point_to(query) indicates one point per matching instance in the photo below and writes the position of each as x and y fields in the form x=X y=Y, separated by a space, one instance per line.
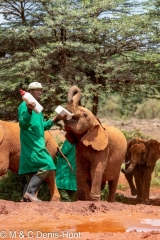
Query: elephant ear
x=96 y=137
x=1 y=133
x=153 y=152
x=71 y=138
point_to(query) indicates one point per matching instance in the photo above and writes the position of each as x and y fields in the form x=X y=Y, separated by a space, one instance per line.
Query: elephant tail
x=59 y=150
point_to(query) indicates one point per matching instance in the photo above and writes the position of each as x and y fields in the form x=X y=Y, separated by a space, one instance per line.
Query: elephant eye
x=85 y=114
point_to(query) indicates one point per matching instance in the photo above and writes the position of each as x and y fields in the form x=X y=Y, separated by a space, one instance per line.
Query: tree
x=101 y=46
x=22 y=12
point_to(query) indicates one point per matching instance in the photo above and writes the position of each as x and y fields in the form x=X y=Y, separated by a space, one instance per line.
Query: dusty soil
x=81 y=220
x=85 y=220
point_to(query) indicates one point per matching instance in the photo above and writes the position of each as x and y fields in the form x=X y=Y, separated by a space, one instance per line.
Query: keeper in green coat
x=66 y=178
x=35 y=160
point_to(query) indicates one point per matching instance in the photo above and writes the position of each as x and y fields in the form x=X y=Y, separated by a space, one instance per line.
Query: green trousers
x=67 y=195
x=41 y=174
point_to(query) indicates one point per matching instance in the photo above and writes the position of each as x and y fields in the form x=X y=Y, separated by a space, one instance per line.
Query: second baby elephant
x=141 y=159
x=10 y=152
x=100 y=150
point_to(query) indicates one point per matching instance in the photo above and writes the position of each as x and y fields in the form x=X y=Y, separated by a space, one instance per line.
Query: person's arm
x=48 y=124
x=24 y=116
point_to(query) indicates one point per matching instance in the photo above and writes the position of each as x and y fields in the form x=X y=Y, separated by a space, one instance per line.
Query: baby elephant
x=140 y=161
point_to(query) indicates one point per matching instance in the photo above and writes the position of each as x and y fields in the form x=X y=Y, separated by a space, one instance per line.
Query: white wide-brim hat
x=34 y=85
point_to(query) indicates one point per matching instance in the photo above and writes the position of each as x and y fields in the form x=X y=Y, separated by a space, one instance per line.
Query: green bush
x=12 y=185
x=133 y=134
x=111 y=108
x=157 y=169
x=155 y=182
x=104 y=193
x=43 y=192
x=148 y=110
x=122 y=187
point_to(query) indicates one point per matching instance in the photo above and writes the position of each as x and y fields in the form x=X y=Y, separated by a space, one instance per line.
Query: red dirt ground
x=82 y=219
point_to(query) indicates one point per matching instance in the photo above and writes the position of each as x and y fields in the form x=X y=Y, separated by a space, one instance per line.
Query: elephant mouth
x=67 y=128
x=73 y=120
x=69 y=125
x=68 y=122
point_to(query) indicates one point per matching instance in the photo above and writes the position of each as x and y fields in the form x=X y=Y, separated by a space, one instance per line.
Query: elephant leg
x=146 y=184
x=4 y=161
x=96 y=176
x=83 y=183
x=112 y=184
x=50 y=180
x=129 y=178
x=83 y=194
x=88 y=188
x=14 y=161
x=138 y=175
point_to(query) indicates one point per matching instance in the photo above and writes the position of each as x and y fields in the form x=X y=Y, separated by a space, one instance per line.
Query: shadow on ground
x=133 y=201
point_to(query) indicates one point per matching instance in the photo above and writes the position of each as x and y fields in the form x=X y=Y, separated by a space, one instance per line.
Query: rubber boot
x=32 y=188
x=24 y=191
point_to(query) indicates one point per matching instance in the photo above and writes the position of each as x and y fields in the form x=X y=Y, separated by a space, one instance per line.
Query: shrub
x=133 y=134
x=157 y=169
x=104 y=193
x=111 y=108
x=148 y=110
x=155 y=182
x=12 y=185
x=122 y=187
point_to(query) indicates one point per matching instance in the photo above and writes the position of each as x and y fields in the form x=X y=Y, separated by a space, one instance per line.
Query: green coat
x=33 y=155
x=65 y=178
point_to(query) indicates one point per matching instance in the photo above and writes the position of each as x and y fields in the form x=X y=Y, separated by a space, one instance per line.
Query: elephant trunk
x=74 y=96
x=130 y=168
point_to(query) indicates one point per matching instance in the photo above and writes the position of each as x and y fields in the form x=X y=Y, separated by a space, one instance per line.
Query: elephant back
x=117 y=140
x=51 y=144
x=1 y=133
x=117 y=147
x=8 y=131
